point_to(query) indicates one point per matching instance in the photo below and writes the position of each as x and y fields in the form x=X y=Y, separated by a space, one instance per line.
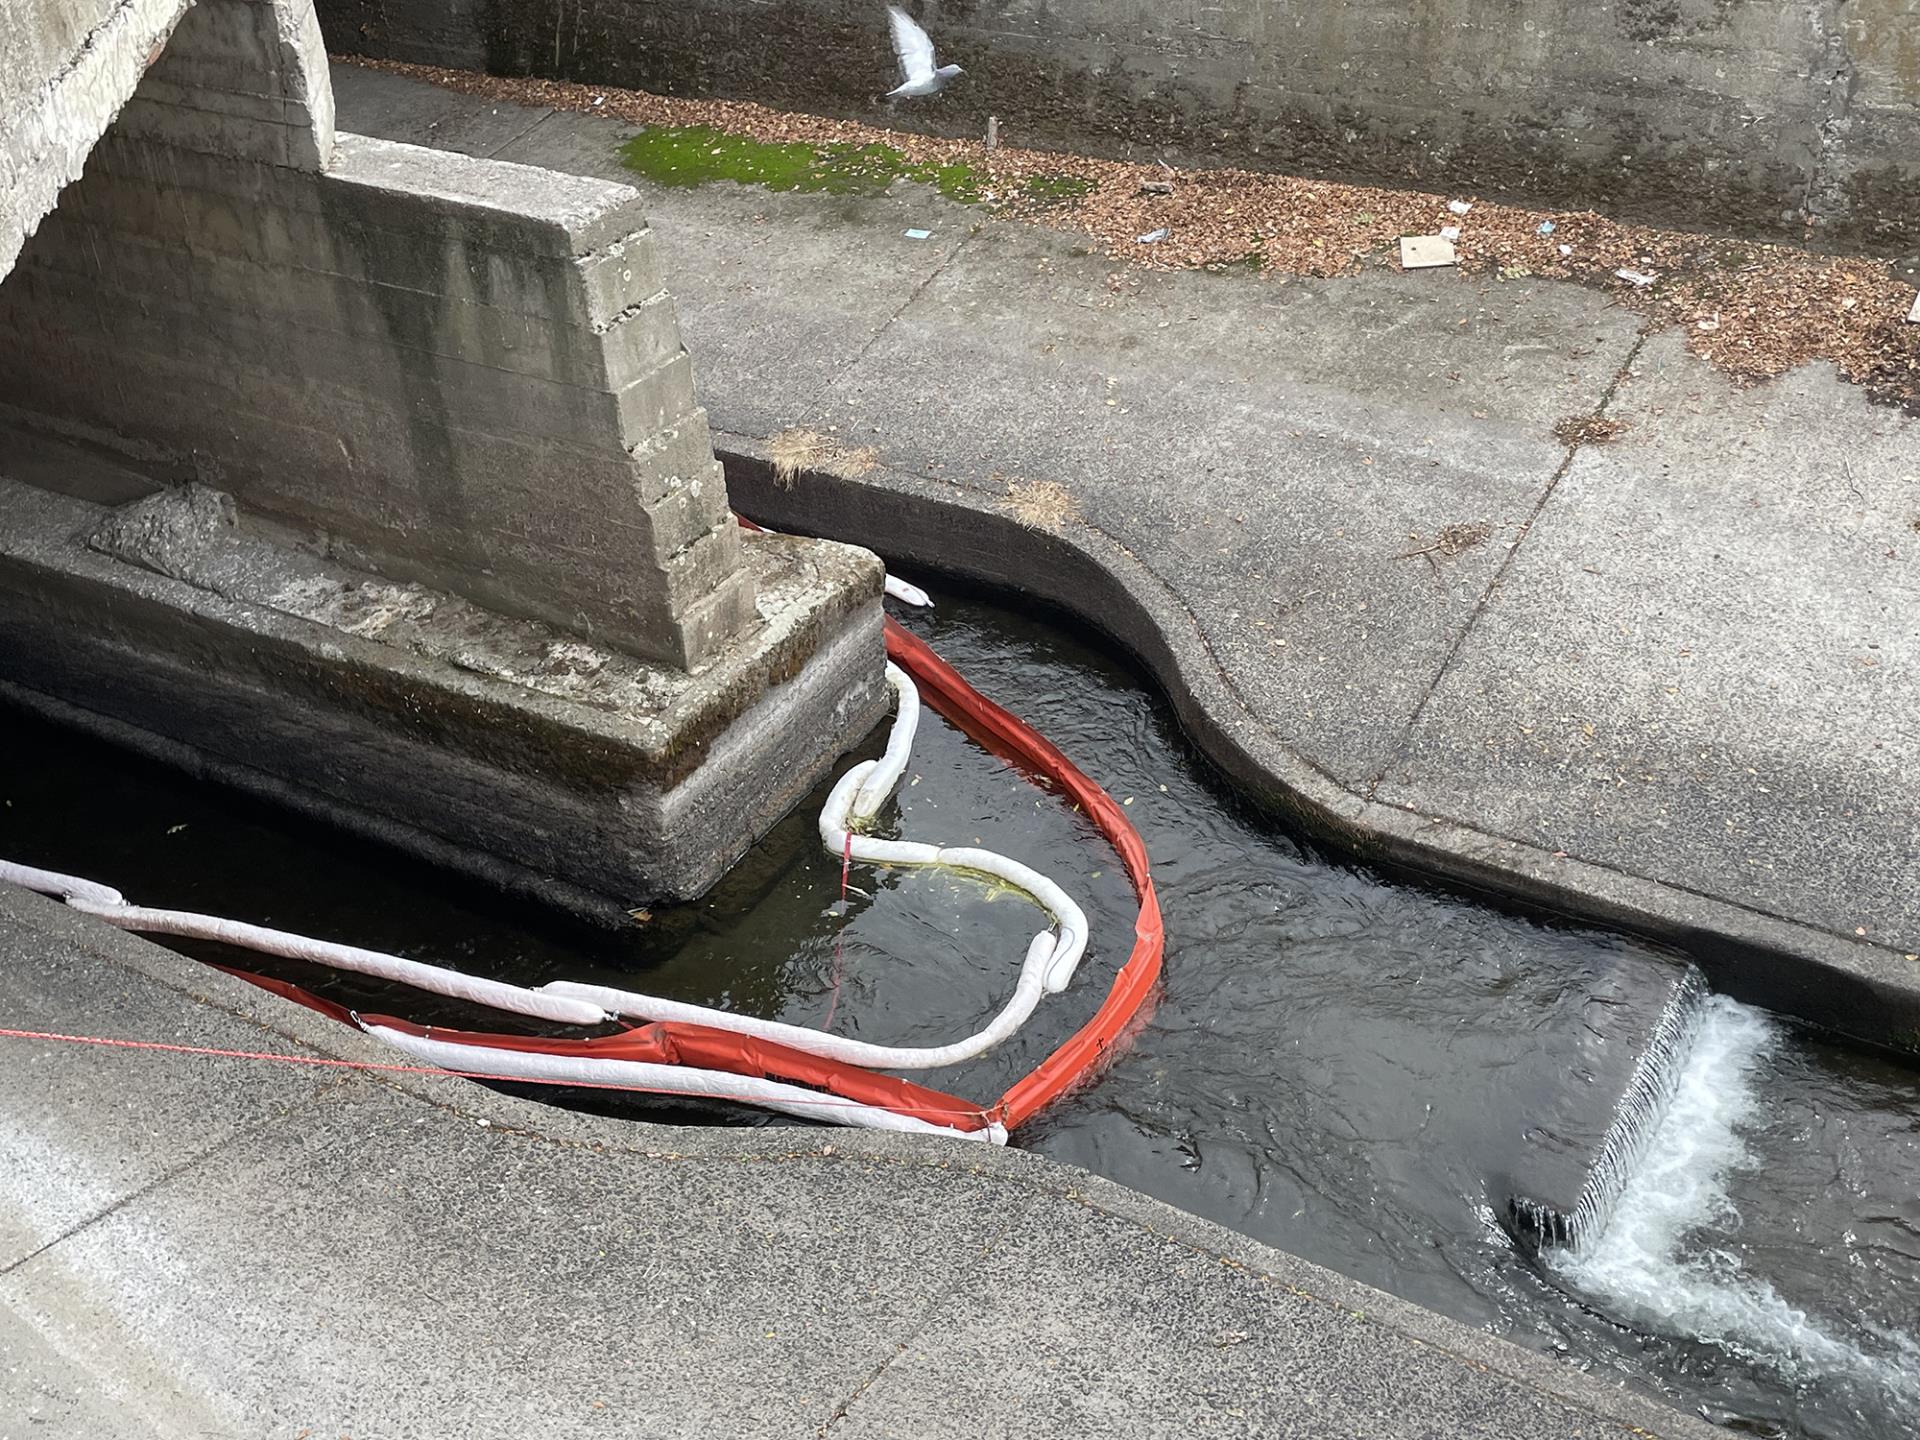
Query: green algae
x=1056 y=189
x=689 y=155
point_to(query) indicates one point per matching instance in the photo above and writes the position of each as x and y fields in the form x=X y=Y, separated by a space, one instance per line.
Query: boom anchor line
x=671 y=1047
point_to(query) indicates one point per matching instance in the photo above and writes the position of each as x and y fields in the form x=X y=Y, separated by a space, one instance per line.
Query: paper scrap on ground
x=1636 y=277
x=919 y=234
x=1154 y=237
x=1459 y=207
x=1913 y=315
x=1449 y=232
x=1423 y=252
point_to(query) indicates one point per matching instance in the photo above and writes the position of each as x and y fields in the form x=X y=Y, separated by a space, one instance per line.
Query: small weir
x=1569 y=1190
x=1389 y=1081
x=1667 y=1258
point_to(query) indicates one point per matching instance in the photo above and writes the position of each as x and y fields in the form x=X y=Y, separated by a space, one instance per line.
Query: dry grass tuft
x=796 y=449
x=1039 y=504
x=1588 y=430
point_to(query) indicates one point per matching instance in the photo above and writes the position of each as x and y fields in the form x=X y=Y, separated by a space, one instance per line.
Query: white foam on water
x=1636 y=1266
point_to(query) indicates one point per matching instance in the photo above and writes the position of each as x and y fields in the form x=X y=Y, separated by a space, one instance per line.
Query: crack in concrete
x=138 y=1193
x=919 y=1327
x=1398 y=752
x=814 y=402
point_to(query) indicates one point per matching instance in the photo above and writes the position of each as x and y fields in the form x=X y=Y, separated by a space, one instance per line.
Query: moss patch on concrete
x=688 y=155
x=1056 y=189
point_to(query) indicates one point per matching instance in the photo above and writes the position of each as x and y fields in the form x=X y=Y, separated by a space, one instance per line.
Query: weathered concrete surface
x=66 y=68
x=447 y=370
x=1247 y=461
x=1766 y=116
x=490 y=602
x=504 y=748
x=203 y=1246
x=1705 y=660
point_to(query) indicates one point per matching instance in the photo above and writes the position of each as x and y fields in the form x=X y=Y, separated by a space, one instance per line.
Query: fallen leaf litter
x=1754 y=309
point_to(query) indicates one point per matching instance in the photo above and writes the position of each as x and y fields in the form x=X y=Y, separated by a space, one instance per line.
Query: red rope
x=1080 y=1057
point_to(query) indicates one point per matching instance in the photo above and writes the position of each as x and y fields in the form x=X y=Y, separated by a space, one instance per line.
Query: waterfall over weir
x=1549 y=1220
x=1660 y=1256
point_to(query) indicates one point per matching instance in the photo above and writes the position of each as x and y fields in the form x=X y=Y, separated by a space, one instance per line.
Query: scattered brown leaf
x=1754 y=309
x=1453 y=540
x=1588 y=430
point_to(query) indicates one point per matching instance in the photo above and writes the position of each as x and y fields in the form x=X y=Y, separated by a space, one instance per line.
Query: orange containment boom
x=681 y=1056
x=1088 y=1049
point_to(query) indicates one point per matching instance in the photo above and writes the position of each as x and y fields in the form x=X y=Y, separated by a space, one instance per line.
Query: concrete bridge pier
x=371 y=478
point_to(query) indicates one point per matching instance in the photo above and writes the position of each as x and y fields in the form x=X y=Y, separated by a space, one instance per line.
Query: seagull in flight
x=915 y=49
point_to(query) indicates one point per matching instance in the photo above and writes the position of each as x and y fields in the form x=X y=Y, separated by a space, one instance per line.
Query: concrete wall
x=1755 y=115
x=442 y=369
x=66 y=68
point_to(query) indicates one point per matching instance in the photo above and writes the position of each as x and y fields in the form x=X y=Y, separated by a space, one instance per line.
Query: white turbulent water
x=1662 y=1262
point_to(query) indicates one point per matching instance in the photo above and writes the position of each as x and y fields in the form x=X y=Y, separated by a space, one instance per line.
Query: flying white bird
x=915 y=49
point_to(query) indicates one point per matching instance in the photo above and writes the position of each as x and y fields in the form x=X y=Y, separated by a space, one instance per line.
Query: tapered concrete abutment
x=371 y=477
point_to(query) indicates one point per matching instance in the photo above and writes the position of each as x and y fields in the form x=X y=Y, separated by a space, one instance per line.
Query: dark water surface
x=1339 y=1065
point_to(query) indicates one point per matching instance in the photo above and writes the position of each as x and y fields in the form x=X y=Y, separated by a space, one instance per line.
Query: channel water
x=1340 y=1065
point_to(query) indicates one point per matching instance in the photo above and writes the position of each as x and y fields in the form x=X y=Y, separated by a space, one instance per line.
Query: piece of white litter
x=1566 y=249
x=1459 y=207
x=1423 y=252
x=1913 y=315
x=1546 y=227
x=919 y=234
x=1154 y=237
x=1710 y=324
x=1449 y=232
x=1636 y=277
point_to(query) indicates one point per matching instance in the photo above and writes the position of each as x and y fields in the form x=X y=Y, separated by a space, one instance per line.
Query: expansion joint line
x=192 y=1162
x=1398 y=752
x=814 y=401
x=519 y=135
x=905 y=1343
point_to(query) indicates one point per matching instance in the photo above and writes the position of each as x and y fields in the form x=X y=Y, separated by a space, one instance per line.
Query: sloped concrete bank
x=1797 y=970
x=197 y=1245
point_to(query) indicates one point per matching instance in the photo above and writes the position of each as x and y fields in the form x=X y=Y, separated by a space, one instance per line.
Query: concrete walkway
x=1676 y=687
x=209 y=1247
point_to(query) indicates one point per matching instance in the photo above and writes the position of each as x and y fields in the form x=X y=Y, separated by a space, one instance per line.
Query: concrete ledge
x=501 y=747
x=456 y=371
x=543 y=211
x=1752 y=118
x=1860 y=990
x=777 y=1282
